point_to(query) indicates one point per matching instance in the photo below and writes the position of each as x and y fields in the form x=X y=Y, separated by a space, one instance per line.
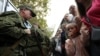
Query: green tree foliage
x=40 y=7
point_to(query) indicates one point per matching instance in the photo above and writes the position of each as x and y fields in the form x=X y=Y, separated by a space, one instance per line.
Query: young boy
x=76 y=42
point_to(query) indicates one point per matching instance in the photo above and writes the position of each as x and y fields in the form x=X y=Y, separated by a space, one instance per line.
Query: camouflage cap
x=28 y=8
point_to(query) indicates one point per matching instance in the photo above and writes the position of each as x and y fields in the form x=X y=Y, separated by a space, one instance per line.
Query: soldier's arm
x=37 y=33
x=15 y=32
x=9 y=27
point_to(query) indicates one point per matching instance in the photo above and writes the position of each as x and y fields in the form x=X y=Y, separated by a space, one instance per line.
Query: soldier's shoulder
x=7 y=13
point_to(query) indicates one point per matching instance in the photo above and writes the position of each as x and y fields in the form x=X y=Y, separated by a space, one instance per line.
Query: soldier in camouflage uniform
x=38 y=43
x=18 y=37
x=13 y=31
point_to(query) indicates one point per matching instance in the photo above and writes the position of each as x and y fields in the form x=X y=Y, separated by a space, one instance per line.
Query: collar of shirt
x=27 y=24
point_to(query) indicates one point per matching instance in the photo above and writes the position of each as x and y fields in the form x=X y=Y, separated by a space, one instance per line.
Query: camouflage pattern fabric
x=11 y=30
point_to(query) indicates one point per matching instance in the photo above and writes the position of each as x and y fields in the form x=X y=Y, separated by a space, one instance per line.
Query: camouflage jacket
x=33 y=44
x=11 y=26
x=11 y=30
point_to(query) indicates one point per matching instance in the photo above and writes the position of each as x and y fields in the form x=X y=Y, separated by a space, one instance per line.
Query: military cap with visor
x=28 y=8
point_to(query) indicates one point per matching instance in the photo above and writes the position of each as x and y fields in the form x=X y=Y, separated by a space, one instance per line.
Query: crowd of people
x=76 y=29
x=64 y=33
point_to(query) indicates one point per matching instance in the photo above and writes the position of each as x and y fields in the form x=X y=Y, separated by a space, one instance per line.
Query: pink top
x=93 y=13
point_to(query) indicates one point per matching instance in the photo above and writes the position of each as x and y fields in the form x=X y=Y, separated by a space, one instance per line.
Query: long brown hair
x=81 y=9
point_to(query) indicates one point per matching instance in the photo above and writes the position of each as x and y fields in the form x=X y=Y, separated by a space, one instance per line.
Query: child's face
x=72 y=30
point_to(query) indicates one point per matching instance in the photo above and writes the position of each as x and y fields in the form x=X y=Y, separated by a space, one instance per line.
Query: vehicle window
x=1 y=5
x=6 y=6
x=10 y=7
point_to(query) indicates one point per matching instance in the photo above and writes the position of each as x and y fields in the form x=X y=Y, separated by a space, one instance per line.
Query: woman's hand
x=69 y=47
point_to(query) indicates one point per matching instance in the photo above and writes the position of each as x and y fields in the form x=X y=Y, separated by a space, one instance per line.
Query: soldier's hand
x=28 y=31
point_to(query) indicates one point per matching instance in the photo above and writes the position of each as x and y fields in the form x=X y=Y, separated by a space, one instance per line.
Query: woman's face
x=72 y=30
x=72 y=9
